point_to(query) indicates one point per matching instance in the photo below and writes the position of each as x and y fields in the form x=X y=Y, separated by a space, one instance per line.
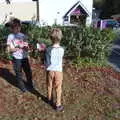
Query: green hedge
x=87 y=42
x=78 y=41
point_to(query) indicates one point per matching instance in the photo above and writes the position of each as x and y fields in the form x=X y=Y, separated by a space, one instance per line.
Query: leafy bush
x=87 y=42
x=3 y=36
x=79 y=42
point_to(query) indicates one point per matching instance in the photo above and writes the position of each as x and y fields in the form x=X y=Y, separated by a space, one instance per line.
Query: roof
x=75 y=6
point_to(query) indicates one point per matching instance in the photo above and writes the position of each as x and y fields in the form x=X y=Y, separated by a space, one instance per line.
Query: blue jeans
x=19 y=65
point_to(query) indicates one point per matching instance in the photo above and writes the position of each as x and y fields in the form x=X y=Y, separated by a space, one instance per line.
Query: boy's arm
x=47 y=61
x=9 y=49
x=45 y=58
x=10 y=45
x=63 y=63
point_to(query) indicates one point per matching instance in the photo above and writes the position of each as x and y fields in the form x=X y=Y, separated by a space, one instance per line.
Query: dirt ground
x=88 y=94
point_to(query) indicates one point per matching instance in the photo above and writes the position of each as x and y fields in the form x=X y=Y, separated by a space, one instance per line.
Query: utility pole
x=37 y=9
x=37 y=4
x=7 y=1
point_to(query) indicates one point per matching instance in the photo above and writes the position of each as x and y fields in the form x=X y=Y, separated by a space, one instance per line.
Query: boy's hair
x=56 y=35
x=14 y=22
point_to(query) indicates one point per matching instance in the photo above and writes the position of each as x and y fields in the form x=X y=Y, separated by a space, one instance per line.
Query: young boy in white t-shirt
x=18 y=46
x=53 y=62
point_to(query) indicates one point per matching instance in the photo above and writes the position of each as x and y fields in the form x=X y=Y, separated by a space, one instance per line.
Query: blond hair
x=56 y=35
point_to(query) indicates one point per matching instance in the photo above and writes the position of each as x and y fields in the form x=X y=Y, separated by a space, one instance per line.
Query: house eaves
x=74 y=7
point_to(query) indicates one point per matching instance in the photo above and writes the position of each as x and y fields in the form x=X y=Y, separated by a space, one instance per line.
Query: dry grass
x=90 y=95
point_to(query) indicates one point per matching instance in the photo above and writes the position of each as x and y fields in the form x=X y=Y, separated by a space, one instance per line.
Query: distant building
x=78 y=14
x=22 y=10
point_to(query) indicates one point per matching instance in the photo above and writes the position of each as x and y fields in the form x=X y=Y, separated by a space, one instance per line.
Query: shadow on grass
x=10 y=78
x=43 y=98
x=39 y=95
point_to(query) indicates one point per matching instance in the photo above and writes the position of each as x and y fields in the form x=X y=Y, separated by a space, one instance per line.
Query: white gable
x=56 y=9
x=89 y=5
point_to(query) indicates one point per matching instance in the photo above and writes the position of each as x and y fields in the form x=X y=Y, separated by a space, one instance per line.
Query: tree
x=110 y=7
x=98 y=4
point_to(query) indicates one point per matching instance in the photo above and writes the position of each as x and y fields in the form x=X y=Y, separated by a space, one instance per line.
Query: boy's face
x=16 y=28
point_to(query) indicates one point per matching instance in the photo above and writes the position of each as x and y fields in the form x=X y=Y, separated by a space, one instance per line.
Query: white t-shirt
x=15 y=40
x=54 y=56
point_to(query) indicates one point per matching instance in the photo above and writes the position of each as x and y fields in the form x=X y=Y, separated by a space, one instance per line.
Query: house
x=50 y=11
x=78 y=14
x=24 y=10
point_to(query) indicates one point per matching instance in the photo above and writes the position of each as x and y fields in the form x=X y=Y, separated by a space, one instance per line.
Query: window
x=77 y=19
x=66 y=18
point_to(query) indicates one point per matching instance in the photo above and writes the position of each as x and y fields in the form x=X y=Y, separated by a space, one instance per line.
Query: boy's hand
x=41 y=47
x=14 y=49
x=25 y=48
x=43 y=66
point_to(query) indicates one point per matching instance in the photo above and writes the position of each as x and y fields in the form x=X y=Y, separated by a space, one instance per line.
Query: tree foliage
x=110 y=7
x=98 y=3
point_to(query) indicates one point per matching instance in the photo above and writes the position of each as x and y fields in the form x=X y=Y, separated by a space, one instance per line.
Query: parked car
x=107 y=23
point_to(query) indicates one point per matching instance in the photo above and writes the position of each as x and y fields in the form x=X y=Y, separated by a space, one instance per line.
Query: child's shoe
x=23 y=89
x=50 y=102
x=59 y=108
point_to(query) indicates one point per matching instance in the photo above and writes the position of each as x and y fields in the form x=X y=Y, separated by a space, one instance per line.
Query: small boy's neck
x=56 y=45
x=16 y=32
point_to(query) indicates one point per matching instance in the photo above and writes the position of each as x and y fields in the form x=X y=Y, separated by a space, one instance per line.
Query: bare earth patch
x=87 y=95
